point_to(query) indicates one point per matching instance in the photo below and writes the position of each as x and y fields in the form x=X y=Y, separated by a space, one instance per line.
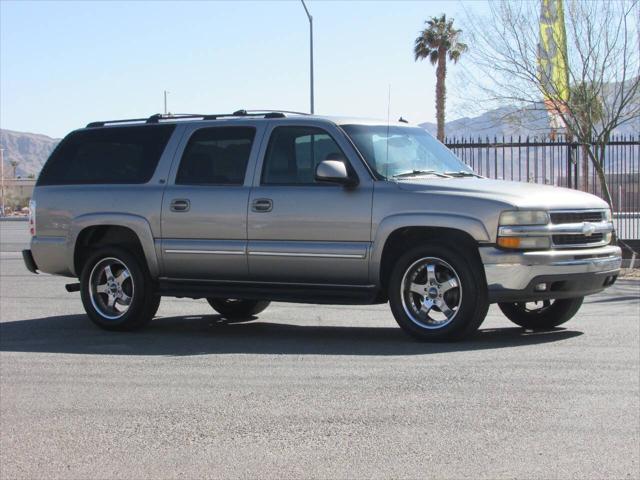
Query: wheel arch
x=111 y=229
x=396 y=234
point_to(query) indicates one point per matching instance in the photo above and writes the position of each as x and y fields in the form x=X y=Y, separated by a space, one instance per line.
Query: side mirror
x=334 y=171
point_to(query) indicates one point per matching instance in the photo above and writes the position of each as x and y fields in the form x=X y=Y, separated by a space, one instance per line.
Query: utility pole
x=165 y=101
x=1 y=182
x=310 y=50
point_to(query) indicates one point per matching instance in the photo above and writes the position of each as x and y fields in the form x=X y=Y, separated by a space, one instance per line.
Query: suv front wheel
x=116 y=291
x=436 y=293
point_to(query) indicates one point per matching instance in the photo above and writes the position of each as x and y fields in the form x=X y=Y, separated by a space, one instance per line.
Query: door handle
x=180 y=205
x=262 y=205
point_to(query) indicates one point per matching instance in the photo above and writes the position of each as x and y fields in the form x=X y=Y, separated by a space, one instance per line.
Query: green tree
x=438 y=42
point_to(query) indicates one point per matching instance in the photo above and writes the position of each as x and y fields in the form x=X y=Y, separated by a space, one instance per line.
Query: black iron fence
x=562 y=163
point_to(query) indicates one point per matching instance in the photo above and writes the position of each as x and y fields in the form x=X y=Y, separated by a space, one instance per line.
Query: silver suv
x=250 y=207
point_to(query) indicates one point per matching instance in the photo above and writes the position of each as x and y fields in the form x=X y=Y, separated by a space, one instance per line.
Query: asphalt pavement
x=310 y=391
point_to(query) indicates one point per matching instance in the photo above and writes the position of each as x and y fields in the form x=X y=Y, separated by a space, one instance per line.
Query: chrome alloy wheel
x=111 y=288
x=431 y=293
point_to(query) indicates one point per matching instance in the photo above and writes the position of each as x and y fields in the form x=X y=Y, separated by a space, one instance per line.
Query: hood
x=520 y=195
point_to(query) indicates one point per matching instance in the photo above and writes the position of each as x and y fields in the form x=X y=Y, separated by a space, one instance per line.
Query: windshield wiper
x=414 y=173
x=462 y=173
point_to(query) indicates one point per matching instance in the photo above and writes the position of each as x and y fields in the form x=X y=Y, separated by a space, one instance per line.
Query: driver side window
x=293 y=154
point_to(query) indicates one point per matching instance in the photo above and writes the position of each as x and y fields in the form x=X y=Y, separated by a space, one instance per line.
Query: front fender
x=469 y=225
x=139 y=225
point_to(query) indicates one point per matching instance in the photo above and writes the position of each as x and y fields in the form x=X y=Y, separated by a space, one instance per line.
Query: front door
x=204 y=210
x=303 y=231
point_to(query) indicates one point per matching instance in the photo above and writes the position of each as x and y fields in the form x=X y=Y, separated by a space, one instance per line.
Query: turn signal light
x=525 y=243
x=32 y=218
x=509 y=242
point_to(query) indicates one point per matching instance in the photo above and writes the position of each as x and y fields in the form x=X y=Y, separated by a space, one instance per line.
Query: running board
x=280 y=292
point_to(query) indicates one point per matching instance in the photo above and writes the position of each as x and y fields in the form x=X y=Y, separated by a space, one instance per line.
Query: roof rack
x=192 y=116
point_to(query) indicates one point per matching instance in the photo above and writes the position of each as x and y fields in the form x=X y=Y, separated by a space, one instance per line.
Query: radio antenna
x=388 y=126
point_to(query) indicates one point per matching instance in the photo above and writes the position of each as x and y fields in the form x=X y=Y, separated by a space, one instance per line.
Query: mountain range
x=509 y=122
x=29 y=150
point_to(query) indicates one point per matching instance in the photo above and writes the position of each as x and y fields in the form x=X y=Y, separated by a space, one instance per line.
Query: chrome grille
x=576 y=236
x=576 y=217
x=561 y=240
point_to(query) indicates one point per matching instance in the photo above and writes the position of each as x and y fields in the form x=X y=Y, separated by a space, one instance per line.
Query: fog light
x=541 y=287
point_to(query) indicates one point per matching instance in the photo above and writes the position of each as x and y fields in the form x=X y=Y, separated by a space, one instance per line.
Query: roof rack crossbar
x=269 y=110
x=175 y=116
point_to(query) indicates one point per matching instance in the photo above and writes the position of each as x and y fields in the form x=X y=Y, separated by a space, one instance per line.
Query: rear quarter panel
x=63 y=210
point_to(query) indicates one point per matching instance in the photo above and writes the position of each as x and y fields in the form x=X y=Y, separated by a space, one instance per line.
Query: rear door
x=300 y=230
x=204 y=208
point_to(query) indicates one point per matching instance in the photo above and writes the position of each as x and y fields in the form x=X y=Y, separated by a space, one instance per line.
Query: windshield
x=395 y=151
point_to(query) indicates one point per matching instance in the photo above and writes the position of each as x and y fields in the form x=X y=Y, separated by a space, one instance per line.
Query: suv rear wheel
x=437 y=294
x=237 y=308
x=541 y=315
x=116 y=290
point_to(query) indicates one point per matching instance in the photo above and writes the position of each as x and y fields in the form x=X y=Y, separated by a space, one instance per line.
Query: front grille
x=575 y=217
x=577 y=239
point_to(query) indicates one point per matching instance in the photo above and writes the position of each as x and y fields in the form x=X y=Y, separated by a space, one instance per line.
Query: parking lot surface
x=310 y=391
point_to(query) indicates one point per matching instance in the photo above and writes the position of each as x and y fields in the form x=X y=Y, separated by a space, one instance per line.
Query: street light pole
x=165 y=102
x=2 y=180
x=310 y=50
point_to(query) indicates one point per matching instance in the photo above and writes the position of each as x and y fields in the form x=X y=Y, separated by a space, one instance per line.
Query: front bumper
x=513 y=276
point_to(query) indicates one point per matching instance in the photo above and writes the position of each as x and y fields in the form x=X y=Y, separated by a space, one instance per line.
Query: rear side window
x=294 y=153
x=216 y=156
x=107 y=155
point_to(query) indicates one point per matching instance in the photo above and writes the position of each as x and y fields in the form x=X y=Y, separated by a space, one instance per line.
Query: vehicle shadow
x=208 y=334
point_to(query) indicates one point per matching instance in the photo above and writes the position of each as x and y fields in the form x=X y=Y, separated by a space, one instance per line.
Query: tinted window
x=294 y=153
x=216 y=156
x=107 y=155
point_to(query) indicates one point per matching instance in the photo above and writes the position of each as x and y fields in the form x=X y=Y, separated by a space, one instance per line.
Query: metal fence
x=562 y=163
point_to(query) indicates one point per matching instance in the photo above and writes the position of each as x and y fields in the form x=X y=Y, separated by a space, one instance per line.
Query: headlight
x=524 y=217
x=607 y=215
x=522 y=220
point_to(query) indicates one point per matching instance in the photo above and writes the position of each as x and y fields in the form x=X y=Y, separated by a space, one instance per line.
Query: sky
x=64 y=64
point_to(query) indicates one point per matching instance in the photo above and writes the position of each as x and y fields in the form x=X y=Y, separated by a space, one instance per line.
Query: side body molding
x=139 y=225
x=472 y=226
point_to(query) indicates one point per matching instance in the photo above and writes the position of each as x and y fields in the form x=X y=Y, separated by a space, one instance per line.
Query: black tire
x=237 y=309
x=470 y=296
x=551 y=314
x=144 y=302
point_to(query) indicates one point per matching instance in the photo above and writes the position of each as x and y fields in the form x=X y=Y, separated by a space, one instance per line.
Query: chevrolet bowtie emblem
x=588 y=229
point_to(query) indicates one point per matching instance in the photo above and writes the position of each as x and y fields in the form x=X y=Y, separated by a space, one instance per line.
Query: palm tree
x=437 y=42
x=14 y=165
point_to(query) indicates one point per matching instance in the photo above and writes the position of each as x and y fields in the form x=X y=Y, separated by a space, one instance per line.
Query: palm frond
x=439 y=34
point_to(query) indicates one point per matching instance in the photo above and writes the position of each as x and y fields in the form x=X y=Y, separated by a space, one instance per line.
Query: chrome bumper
x=507 y=270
